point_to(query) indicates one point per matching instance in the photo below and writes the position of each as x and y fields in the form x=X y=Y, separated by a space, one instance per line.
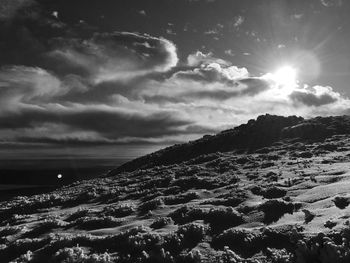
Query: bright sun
x=286 y=77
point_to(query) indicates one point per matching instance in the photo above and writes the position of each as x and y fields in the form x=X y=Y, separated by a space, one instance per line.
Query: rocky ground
x=274 y=190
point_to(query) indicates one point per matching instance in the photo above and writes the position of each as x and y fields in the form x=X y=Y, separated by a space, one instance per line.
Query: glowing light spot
x=59 y=176
x=286 y=77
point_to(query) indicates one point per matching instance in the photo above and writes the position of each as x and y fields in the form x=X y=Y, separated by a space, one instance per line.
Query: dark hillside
x=255 y=134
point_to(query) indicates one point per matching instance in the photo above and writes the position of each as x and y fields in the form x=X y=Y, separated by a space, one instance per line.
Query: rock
x=330 y=224
x=306 y=130
x=273 y=192
x=341 y=202
x=308 y=215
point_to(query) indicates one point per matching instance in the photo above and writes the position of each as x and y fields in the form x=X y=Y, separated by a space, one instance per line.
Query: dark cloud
x=83 y=140
x=220 y=95
x=75 y=141
x=26 y=30
x=109 y=122
x=254 y=86
x=162 y=99
x=311 y=99
x=10 y=8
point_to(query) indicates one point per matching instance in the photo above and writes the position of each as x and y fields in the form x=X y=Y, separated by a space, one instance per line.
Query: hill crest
x=255 y=134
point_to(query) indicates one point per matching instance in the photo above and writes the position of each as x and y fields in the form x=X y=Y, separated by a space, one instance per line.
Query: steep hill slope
x=248 y=137
x=275 y=190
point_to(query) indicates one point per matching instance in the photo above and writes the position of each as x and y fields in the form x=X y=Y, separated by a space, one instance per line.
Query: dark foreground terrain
x=276 y=190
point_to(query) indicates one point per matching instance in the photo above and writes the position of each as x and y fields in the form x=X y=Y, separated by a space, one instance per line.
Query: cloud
x=214 y=72
x=230 y=52
x=142 y=12
x=211 y=80
x=31 y=99
x=76 y=100
x=238 y=21
x=222 y=95
x=10 y=8
x=26 y=31
x=329 y=3
x=211 y=90
x=315 y=96
x=115 y=56
x=109 y=122
x=59 y=86
x=20 y=84
x=199 y=58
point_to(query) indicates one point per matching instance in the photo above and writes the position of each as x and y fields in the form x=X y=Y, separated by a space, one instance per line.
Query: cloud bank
x=128 y=88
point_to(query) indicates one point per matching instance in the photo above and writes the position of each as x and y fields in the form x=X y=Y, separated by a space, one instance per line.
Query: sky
x=124 y=77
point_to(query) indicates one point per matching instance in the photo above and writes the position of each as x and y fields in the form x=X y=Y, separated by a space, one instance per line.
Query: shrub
x=192 y=233
x=323 y=249
x=46 y=226
x=181 y=198
x=257 y=190
x=173 y=190
x=196 y=182
x=9 y=230
x=21 y=246
x=223 y=217
x=275 y=209
x=186 y=214
x=228 y=256
x=218 y=218
x=187 y=236
x=273 y=192
x=27 y=257
x=203 y=158
x=119 y=210
x=79 y=255
x=90 y=223
x=159 y=182
x=150 y=205
x=194 y=256
x=133 y=242
x=79 y=213
x=242 y=241
x=279 y=255
x=267 y=164
x=86 y=196
x=161 y=222
x=17 y=219
x=232 y=201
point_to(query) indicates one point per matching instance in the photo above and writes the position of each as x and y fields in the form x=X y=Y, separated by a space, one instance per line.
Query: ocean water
x=46 y=171
x=32 y=176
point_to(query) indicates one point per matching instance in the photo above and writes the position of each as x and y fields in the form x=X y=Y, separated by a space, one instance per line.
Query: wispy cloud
x=329 y=3
x=115 y=56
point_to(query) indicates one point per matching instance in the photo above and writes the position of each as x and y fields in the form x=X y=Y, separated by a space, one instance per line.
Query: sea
x=35 y=176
